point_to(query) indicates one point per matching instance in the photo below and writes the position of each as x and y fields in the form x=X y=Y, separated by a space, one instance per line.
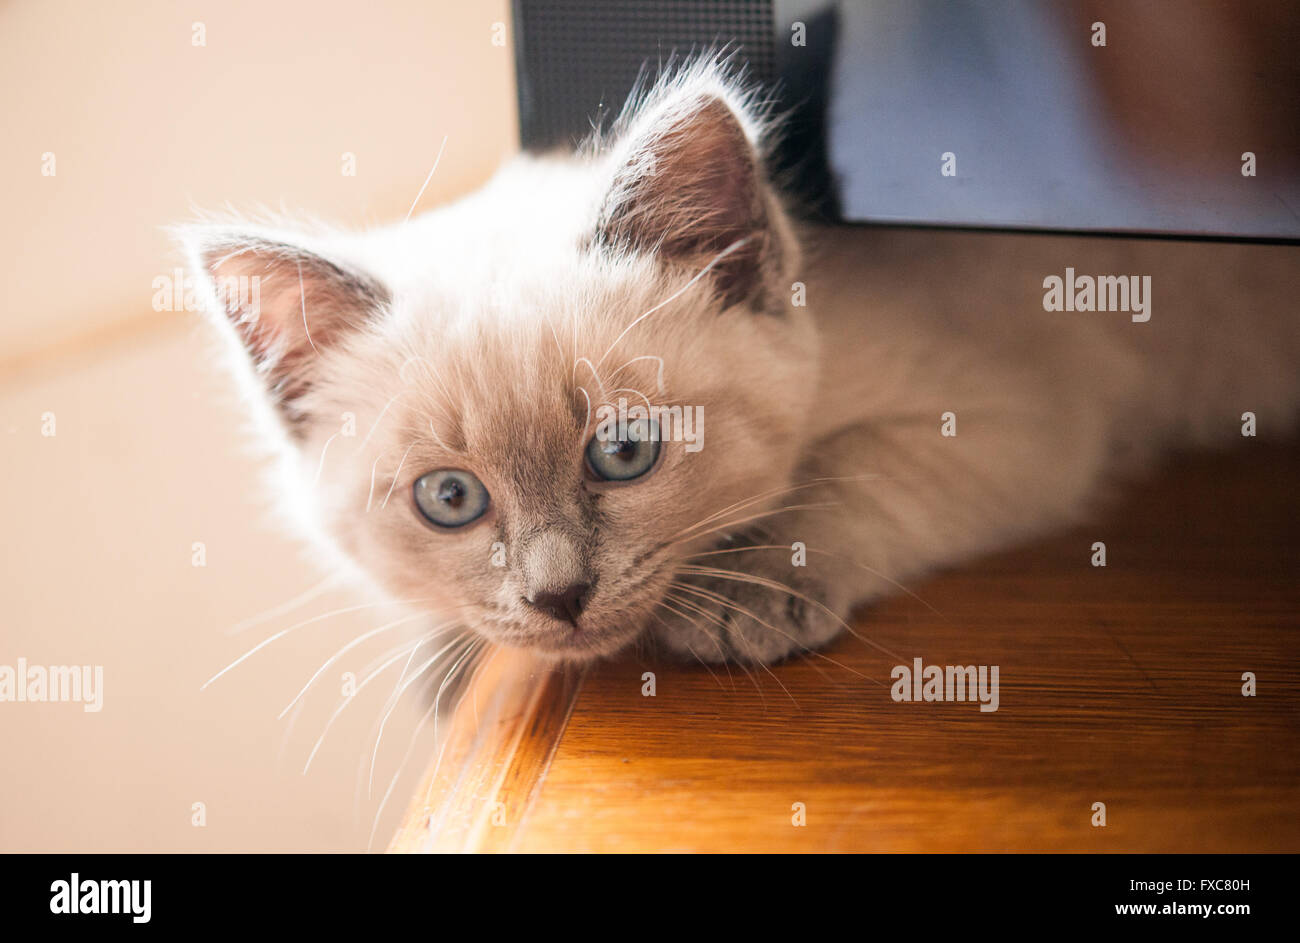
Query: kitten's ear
x=689 y=184
x=286 y=305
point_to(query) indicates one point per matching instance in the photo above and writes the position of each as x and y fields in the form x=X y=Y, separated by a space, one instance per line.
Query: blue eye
x=451 y=498
x=629 y=457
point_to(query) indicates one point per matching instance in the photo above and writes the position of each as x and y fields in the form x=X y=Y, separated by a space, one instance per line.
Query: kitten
x=473 y=350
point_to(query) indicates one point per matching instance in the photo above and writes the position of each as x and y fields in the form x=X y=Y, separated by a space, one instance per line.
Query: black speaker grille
x=578 y=61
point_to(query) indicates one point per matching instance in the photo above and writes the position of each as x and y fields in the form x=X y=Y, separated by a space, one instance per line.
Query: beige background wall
x=145 y=126
x=147 y=456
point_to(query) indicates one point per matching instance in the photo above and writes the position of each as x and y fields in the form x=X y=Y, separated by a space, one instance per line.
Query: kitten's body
x=1050 y=407
x=660 y=265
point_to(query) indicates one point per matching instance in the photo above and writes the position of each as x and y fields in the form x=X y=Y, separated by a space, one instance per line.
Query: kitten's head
x=444 y=393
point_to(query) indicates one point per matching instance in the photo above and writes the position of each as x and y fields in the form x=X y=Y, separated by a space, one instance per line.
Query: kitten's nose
x=565 y=605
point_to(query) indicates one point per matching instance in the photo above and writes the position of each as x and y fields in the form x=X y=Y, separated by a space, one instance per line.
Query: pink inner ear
x=690 y=190
x=288 y=306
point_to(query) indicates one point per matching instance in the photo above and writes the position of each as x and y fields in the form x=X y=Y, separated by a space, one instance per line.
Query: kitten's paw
x=721 y=619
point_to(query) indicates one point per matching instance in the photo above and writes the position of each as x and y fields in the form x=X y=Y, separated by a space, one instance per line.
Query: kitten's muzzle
x=566 y=605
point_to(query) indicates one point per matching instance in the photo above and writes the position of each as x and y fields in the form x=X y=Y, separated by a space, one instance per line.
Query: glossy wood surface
x=1119 y=685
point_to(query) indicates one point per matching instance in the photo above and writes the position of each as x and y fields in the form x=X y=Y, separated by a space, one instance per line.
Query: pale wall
x=144 y=126
x=148 y=456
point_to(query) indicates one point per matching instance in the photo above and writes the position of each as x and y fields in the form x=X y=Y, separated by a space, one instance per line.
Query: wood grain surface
x=1120 y=685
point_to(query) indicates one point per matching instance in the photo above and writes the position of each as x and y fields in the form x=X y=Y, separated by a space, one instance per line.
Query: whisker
x=373 y=466
x=403 y=650
x=675 y=295
x=781 y=587
x=321 y=465
x=284 y=737
x=437 y=438
x=762 y=496
x=392 y=705
x=828 y=553
x=695 y=607
x=804 y=649
x=659 y=379
x=586 y=423
x=433 y=777
x=410 y=746
x=762 y=664
x=353 y=644
x=399 y=469
x=736 y=607
x=436 y=161
x=694 y=654
x=692 y=606
x=628 y=389
x=753 y=517
x=433 y=374
x=375 y=425
x=551 y=324
x=594 y=374
x=302 y=298
x=298 y=625
x=749 y=649
x=305 y=596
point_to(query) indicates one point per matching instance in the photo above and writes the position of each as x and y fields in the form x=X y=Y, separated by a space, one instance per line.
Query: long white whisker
x=474 y=648
x=725 y=525
x=392 y=705
x=674 y=296
x=828 y=553
x=351 y=645
x=410 y=746
x=695 y=607
x=587 y=423
x=302 y=297
x=746 y=502
x=436 y=161
x=551 y=324
x=373 y=465
x=594 y=374
x=437 y=438
x=682 y=615
x=297 y=625
x=375 y=424
x=401 y=652
x=659 y=379
x=731 y=604
x=305 y=596
x=284 y=737
x=433 y=777
x=750 y=578
x=629 y=389
x=398 y=472
x=321 y=465
x=736 y=607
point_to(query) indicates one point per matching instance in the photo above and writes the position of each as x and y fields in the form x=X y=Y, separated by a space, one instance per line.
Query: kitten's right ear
x=285 y=305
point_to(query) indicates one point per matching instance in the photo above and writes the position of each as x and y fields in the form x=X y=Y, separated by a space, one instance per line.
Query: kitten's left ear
x=285 y=304
x=689 y=184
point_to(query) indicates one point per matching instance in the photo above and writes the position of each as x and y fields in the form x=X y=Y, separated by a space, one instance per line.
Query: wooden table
x=1119 y=685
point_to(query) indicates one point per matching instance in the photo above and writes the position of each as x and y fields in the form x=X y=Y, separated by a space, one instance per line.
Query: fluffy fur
x=659 y=265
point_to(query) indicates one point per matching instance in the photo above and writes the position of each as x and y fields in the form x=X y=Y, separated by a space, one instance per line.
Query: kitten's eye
x=626 y=458
x=450 y=497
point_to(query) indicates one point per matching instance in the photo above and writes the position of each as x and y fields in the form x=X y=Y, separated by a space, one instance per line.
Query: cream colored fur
x=483 y=334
